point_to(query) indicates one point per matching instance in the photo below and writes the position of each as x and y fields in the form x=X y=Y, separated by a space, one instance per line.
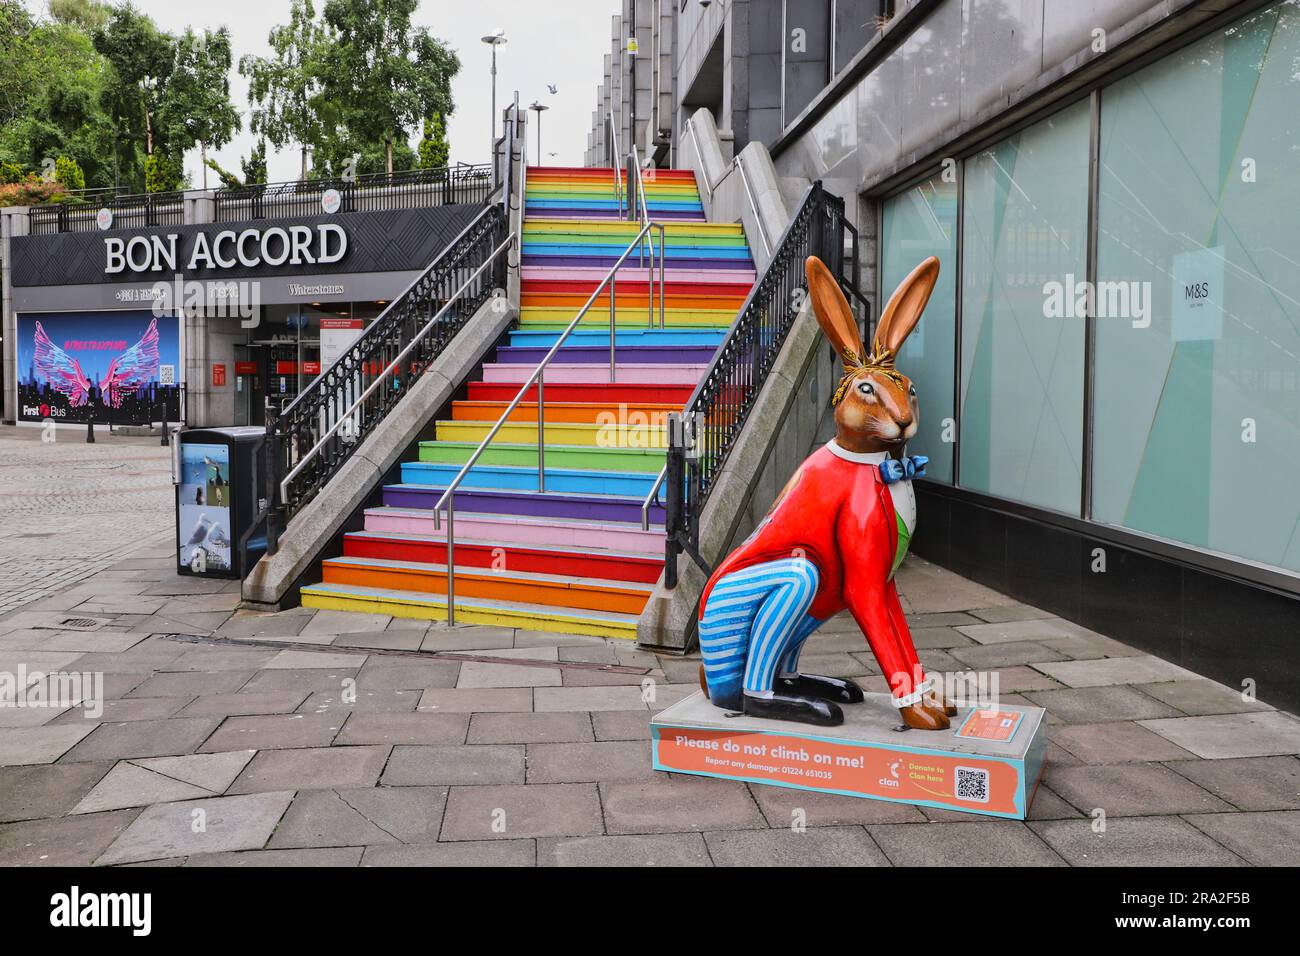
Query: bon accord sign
x=398 y=240
x=295 y=245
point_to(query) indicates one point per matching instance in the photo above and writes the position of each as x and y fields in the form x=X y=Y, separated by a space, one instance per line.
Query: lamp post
x=540 y=108
x=494 y=39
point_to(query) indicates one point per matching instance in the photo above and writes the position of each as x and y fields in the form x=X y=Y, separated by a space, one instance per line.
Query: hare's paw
x=937 y=701
x=920 y=717
x=803 y=710
x=825 y=688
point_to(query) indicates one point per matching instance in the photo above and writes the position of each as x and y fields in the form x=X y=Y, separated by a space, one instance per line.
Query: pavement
x=238 y=738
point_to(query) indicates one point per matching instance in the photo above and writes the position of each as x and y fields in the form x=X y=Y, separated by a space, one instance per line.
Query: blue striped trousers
x=754 y=625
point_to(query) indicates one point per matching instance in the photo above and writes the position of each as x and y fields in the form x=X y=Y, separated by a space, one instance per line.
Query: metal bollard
x=90 y=430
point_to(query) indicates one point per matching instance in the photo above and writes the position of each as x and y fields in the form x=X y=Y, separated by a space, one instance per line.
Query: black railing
x=317 y=432
x=80 y=213
x=702 y=437
x=411 y=189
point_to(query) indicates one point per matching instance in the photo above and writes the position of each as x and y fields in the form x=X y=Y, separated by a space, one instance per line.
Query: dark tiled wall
x=1224 y=628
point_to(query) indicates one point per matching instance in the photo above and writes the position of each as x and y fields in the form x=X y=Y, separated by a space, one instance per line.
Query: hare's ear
x=832 y=309
x=906 y=305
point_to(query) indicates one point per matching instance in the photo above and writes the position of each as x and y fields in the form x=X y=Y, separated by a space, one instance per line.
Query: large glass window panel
x=1197 y=403
x=918 y=223
x=1025 y=227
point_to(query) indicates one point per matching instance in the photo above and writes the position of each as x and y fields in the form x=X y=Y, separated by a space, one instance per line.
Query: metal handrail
x=616 y=158
x=753 y=206
x=651 y=498
x=392 y=366
x=695 y=139
x=448 y=497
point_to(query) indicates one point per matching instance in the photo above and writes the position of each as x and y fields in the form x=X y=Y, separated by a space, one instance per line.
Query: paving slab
x=1133 y=841
x=532 y=728
x=1026 y=630
x=138 y=783
x=1248 y=783
x=362 y=817
x=1265 y=839
x=589 y=762
x=1201 y=697
x=511 y=812
x=1091 y=705
x=1131 y=790
x=228 y=823
x=1010 y=612
x=477 y=674
x=381 y=640
x=314 y=660
x=407 y=674
x=454 y=764
x=1115 y=742
x=621 y=725
x=354 y=699
x=658 y=849
x=193 y=683
x=483 y=700
x=672 y=804
x=244 y=704
x=822 y=846
x=785 y=807
x=593 y=698
x=46 y=790
x=317 y=768
x=1010 y=654
x=468 y=639
x=307 y=680
x=22 y=746
x=62 y=841
x=480 y=853
x=1232 y=735
x=1113 y=670
x=965 y=844
x=275 y=732
x=414 y=728
x=316 y=857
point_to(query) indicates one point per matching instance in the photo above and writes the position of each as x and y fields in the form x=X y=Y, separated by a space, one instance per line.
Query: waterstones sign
x=290 y=247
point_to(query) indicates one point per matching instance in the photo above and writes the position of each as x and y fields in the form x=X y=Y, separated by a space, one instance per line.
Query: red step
x=730 y=290
x=582 y=392
x=607 y=565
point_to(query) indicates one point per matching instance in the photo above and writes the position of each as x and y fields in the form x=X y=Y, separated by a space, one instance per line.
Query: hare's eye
x=866 y=389
x=911 y=390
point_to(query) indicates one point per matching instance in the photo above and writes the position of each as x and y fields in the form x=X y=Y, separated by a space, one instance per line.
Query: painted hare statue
x=832 y=540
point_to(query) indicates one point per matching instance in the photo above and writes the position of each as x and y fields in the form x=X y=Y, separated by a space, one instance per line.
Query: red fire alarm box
x=218 y=374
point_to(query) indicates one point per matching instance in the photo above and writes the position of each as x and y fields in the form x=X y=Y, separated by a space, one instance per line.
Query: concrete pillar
x=13 y=222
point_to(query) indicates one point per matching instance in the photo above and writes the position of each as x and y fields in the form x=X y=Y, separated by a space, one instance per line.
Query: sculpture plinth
x=988 y=762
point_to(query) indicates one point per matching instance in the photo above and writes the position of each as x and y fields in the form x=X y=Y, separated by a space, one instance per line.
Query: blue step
x=514 y=478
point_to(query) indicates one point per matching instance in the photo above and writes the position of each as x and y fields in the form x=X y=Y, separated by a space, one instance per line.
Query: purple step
x=631 y=354
x=582 y=212
x=673 y=262
x=530 y=503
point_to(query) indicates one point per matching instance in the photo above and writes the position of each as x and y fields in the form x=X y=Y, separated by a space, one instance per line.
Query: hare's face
x=879 y=412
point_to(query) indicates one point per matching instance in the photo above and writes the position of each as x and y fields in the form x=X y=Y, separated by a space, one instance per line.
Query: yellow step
x=430 y=607
x=596 y=436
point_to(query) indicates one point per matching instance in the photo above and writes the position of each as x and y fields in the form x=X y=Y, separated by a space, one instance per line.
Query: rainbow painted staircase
x=573 y=558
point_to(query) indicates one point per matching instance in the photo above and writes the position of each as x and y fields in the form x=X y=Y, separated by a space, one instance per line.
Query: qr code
x=973 y=784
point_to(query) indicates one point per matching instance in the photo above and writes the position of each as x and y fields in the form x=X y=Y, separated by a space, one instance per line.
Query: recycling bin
x=215 y=471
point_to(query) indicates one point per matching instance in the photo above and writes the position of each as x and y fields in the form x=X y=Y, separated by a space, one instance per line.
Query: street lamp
x=540 y=108
x=494 y=39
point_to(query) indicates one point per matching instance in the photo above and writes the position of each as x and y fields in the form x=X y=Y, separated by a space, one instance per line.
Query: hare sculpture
x=832 y=539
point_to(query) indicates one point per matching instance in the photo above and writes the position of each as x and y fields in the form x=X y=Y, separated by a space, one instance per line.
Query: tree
x=384 y=75
x=254 y=165
x=141 y=59
x=434 y=149
x=284 y=89
x=195 y=107
x=67 y=172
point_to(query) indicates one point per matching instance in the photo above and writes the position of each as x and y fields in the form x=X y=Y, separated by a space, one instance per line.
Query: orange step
x=552 y=590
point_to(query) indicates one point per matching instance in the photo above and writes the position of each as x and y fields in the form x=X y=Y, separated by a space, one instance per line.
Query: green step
x=581 y=457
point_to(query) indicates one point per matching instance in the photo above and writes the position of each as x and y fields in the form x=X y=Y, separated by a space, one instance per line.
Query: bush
x=11 y=173
x=30 y=192
x=68 y=172
x=161 y=174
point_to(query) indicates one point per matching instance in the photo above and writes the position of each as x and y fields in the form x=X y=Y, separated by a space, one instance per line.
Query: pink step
x=630 y=273
x=648 y=373
x=514 y=529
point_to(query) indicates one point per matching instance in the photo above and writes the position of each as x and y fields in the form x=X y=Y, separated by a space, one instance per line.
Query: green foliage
x=228 y=179
x=284 y=89
x=67 y=172
x=380 y=75
x=89 y=15
x=163 y=173
x=11 y=173
x=434 y=149
x=30 y=191
x=254 y=164
x=195 y=108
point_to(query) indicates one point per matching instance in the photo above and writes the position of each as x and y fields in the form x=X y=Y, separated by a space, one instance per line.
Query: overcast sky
x=548 y=43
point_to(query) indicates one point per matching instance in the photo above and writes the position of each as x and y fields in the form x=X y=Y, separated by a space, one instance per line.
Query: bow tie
x=896 y=469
